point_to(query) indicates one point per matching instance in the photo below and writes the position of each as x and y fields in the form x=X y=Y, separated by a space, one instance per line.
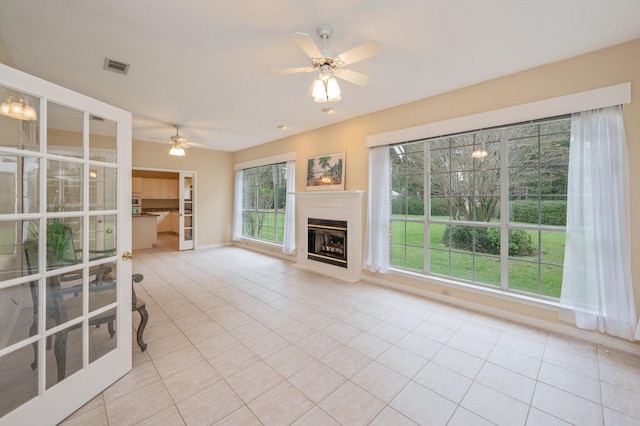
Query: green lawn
x=267 y=230
x=524 y=272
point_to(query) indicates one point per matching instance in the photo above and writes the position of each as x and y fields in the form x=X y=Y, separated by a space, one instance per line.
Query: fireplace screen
x=327 y=241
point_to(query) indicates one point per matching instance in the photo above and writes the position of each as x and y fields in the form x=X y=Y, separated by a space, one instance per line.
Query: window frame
x=505 y=224
x=279 y=178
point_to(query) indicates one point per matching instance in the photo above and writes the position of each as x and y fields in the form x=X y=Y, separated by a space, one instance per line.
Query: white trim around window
x=582 y=101
x=265 y=161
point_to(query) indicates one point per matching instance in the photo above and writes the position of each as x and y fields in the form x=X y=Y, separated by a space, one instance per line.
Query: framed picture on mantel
x=326 y=172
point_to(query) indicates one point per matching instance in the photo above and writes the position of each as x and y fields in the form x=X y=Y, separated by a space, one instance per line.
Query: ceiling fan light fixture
x=177 y=150
x=333 y=90
x=324 y=90
x=319 y=92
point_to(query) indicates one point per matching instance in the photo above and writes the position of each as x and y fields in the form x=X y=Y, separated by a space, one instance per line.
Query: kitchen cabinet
x=164 y=222
x=160 y=189
x=174 y=222
x=150 y=188
x=169 y=189
x=136 y=184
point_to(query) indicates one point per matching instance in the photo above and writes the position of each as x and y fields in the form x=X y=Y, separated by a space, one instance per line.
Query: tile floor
x=239 y=338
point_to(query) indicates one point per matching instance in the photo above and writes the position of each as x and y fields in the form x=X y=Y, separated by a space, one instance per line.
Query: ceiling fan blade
x=307 y=44
x=290 y=70
x=353 y=77
x=194 y=144
x=358 y=53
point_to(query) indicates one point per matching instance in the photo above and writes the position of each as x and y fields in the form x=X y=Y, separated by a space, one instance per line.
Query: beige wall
x=214 y=185
x=598 y=69
x=4 y=58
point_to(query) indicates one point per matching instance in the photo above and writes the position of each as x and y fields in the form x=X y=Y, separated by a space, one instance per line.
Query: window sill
x=266 y=247
x=247 y=240
x=549 y=305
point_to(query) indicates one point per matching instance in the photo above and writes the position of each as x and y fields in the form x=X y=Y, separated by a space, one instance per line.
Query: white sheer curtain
x=289 y=240
x=236 y=231
x=376 y=239
x=597 y=291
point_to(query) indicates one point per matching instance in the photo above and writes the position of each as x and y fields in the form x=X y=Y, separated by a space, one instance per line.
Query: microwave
x=135 y=201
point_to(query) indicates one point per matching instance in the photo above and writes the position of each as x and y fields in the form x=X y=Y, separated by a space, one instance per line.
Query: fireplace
x=327 y=241
x=324 y=243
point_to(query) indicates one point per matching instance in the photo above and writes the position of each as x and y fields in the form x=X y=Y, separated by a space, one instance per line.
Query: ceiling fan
x=179 y=143
x=330 y=65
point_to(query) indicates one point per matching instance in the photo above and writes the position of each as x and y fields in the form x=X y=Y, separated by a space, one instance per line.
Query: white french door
x=65 y=229
x=187 y=210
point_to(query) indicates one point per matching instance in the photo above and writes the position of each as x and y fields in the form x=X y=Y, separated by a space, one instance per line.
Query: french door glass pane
x=64 y=131
x=19 y=184
x=13 y=262
x=100 y=341
x=102 y=236
x=102 y=139
x=102 y=285
x=67 y=361
x=64 y=298
x=19 y=120
x=64 y=186
x=102 y=188
x=19 y=381
x=19 y=319
x=64 y=241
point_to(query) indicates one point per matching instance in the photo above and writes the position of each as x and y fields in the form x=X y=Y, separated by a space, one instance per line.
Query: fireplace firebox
x=327 y=241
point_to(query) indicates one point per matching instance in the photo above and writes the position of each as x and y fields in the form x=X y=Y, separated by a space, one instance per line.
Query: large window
x=486 y=207
x=264 y=200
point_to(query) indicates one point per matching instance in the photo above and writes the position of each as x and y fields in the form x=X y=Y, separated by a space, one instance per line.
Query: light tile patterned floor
x=239 y=338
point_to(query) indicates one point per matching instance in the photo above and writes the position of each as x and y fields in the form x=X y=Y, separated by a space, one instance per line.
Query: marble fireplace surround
x=332 y=205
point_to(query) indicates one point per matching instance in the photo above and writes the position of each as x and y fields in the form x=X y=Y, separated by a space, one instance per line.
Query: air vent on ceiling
x=116 y=66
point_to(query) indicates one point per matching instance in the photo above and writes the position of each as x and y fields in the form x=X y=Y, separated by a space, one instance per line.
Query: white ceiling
x=201 y=64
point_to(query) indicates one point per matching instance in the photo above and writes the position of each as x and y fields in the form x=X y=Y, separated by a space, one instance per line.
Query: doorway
x=167 y=195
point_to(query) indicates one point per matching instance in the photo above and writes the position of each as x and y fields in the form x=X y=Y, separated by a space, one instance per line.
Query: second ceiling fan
x=330 y=65
x=179 y=143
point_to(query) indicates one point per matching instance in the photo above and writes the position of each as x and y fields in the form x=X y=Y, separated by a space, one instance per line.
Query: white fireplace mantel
x=333 y=205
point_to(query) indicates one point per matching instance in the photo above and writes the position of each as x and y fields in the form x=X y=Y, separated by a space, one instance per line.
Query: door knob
x=127 y=256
